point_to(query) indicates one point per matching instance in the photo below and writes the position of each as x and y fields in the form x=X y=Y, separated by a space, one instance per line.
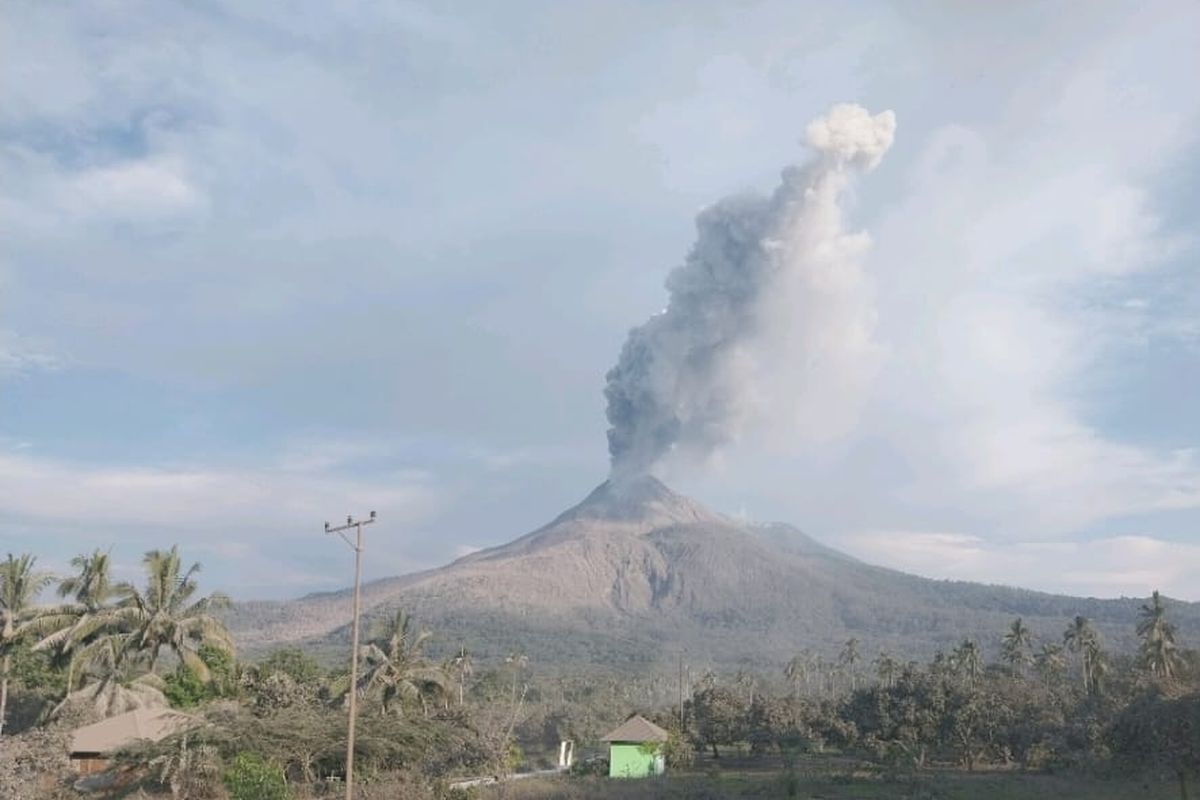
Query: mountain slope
x=635 y=571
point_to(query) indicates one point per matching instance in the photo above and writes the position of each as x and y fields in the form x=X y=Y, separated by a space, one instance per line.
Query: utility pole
x=681 y=694
x=681 y=728
x=357 y=547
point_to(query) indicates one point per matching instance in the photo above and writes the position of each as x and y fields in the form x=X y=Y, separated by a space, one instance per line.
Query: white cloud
x=208 y=501
x=140 y=189
x=47 y=199
x=1132 y=566
x=1023 y=202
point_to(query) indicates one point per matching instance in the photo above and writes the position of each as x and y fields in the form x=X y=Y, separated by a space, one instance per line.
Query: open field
x=939 y=786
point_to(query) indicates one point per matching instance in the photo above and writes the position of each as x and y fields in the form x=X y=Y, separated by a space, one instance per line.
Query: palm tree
x=1017 y=644
x=848 y=658
x=395 y=666
x=745 y=681
x=1080 y=637
x=886 y=668
x=187 y=770
x=132 y=633
x=1098 y=665
x=825 y=674
x=92 y=587
x=969 y=661
x=114 y=681
x=165 y=615
x=465 y=666
x=68 y=627
x=20 y=585
x=1158 y=638
x=1050 y=662
x=796 y=671
x=517 y=661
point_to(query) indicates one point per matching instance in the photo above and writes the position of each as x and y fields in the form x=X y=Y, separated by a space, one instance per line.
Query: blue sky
x=265 y=264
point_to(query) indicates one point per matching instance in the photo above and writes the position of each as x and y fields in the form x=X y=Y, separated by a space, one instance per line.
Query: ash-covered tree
x=848 y=662
x=1017 y=645
x=463 y=665
x=886 y=669
x=1161 y=730
x=719 y=716
x=395 y=667
x=1158 y=652
x=1082 y=639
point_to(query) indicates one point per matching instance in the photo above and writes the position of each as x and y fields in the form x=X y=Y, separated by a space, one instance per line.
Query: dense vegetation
x=1055 y=702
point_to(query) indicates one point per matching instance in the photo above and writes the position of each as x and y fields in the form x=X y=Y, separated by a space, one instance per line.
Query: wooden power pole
x=357 y=547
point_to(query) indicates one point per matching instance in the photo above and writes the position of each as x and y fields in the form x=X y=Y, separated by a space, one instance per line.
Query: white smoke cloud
x=769 y=316
x=850 y=134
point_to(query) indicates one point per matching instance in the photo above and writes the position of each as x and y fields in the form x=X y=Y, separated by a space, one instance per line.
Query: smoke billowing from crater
x=769 y=317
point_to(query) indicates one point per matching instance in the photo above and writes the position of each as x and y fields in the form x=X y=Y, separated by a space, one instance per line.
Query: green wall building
x=635 y=749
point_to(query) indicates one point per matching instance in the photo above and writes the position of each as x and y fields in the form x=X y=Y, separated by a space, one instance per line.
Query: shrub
x=251 y=778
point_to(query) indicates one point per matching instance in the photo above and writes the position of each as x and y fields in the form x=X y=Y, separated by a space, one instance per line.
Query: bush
x=251 y=778
x=678 y=751
x=597 y=765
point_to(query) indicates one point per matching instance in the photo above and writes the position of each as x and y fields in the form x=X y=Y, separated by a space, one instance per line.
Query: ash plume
x=769 y=316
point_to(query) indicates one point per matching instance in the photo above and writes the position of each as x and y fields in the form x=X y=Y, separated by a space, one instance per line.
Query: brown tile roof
x=124 y=729
x=637 y=729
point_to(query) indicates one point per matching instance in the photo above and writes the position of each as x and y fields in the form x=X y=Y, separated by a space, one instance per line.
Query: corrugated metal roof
x=124 y=729
x=637 y=729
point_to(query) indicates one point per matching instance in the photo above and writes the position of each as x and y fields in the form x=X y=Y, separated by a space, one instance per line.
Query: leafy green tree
x=20 y=584
x=185 y=689
x=1158 y=652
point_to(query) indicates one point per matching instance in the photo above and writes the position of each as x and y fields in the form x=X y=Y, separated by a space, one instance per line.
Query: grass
x=742 y=785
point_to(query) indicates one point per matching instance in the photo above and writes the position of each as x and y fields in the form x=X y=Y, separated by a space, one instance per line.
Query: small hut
x=635 y=749
x=93 y=745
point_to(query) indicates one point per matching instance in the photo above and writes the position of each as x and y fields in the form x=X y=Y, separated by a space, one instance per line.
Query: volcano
x=636 y=572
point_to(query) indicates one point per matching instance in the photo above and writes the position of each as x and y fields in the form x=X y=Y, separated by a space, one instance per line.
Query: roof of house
x=114 y=733
x=637 y=729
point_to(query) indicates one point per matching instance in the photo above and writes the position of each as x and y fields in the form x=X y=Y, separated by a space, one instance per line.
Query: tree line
x=276 y=726
x=1063 y=703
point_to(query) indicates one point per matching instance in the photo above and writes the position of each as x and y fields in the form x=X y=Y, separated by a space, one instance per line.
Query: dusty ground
x=738 y=785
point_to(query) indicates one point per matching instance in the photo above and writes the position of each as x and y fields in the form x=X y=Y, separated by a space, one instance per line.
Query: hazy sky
x=264 y=264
